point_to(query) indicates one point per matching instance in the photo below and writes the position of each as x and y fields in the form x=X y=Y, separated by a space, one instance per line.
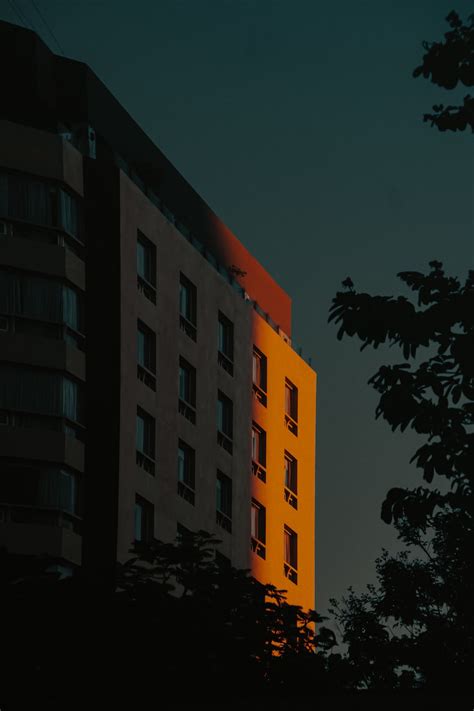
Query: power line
x=46 y=24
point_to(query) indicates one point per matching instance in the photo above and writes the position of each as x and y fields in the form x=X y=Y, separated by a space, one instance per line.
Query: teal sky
x=301 y=126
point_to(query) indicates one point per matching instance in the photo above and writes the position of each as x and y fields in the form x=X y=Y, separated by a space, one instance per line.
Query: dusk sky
x=301 y=126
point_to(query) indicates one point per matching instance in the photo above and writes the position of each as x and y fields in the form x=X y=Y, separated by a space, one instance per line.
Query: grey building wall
x=175 y=255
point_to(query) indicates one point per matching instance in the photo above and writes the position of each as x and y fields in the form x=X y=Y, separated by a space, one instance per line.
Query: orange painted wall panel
x=283 y=362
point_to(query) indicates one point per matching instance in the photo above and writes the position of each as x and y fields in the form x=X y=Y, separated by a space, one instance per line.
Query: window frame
x=290 y=554
x=188 y=315
x=224 y=495
x=290 y=488
x=148 y=520
x=146 y=282
x=291 y=406
x=187 y=398
x=258 y=527
x=259 y=375
x=225 y=343
x=145 y=458
x=225 y=434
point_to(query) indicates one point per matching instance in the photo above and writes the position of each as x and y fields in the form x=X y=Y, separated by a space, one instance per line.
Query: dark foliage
x=448 y=64
x=415 y=628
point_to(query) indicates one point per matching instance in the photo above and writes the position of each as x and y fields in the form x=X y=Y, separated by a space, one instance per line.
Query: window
x=291 y=406
x=225 y=344
x=224 y=501
x=187 y=390
x=145 y=442
x=291 y=480
x=224 y=421
x=257 y=528
x=43 y=306
x=146 y=267
x=36 y=391
x=144 y=524
x=290 y=554
x=186 y=471
x=187 y=306
x=42 y=487
x=146 y=355
x=259 y=376
x=259 y=451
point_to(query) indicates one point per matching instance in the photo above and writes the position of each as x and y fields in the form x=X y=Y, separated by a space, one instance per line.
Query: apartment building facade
x=148 y=384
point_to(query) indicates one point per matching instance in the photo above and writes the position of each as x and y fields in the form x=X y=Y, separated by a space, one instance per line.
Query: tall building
x=148 y=382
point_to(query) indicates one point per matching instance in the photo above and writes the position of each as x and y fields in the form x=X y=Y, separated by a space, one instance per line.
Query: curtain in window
x=28 y=390
x=39 y=298
x=68 y=213
x=29 y=200
x=57 y=488
x=70 y=400
x=70 y=308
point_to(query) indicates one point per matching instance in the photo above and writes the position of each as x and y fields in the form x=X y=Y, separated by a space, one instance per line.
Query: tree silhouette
x=415 y=629
x=448 y=64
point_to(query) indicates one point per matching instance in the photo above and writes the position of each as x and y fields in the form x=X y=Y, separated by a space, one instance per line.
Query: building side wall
x=175 y=255
x=283 y=362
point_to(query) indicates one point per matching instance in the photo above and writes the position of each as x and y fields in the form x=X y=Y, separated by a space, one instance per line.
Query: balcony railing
x=257 y=547
x=259 y=394
x=290 y=497
x=224 y=441
x=224 y=521
x=145 y=462
x=146 y=376
x=188 y=327
x=187 y=411
x=259 y=471
x=225 y=363
x=291 y=424
x=147 y=289
x=42 y=515
x=291 y=573
x=186 y=492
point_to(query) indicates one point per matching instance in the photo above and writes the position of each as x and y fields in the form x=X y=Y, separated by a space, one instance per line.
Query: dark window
x=225 y=343
x=146 y=355
x=290 y=554
x=146 y=267
x=41 y=305
x=37 y=391
x=186 y=471
x=144 y=524
x=145 y=443
x=23 y=197
x=187 y=390
x=291 y=480
x=291 y=406
x=224 y=421
x=29 y=487
x=187 y=306
x=258 y=528
x=259 y=376
x=259 y=452
x=224 y=501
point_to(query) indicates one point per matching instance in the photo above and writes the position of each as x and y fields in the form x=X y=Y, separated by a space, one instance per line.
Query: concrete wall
x=175 y=254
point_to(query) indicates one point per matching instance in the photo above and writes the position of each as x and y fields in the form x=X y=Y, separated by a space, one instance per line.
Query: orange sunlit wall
x=283 y=363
